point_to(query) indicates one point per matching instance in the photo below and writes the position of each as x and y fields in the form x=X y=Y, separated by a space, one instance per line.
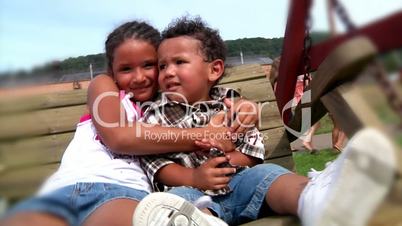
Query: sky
x=33 y=32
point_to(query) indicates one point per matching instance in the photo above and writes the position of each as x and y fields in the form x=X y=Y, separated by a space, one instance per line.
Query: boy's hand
x=244 y=113
x=209 y=177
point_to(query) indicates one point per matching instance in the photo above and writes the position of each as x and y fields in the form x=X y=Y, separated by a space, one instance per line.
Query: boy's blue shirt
x=174 y=114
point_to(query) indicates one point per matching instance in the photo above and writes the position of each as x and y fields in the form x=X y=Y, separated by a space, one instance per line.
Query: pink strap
x=138 y=109
x=85 y=117
x=122 y=94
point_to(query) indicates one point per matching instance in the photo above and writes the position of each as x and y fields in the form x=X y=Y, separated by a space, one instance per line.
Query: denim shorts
x=244 y=203
x=75 y=203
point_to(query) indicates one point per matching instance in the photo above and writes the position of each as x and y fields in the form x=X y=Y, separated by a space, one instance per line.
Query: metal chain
x=394 y=99
x=308 y=42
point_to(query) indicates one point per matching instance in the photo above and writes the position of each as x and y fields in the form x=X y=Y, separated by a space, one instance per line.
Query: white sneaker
x=165 y=209
x=348 y=191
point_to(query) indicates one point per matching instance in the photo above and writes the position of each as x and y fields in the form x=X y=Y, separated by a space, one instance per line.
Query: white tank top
x=86 y=159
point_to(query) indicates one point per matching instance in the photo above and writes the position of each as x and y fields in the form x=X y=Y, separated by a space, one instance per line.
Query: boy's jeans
x=249 y=188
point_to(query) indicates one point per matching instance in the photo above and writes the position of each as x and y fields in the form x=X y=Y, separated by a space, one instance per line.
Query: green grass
x=375 y=98
x=305 y=161
x=326 y=125
x=399 y=139
x=387 y=115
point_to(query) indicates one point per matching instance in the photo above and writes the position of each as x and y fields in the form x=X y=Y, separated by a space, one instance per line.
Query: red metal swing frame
x=386 y=34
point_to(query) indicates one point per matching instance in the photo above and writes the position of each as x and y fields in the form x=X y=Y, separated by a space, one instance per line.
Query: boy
x=191 y=61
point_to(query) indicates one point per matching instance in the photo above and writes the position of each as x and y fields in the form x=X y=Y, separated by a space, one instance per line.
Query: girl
x=95 y=185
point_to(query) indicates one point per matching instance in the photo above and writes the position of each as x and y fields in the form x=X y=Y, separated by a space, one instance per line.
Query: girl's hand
x=243 y=113
x=209 y=177
x=206 y=144
x=217 y=135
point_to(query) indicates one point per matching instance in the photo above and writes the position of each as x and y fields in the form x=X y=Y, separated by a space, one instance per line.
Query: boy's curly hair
x=212 y=45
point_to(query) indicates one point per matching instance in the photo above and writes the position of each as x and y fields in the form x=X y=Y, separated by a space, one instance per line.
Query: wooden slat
x=23 y=182
x=388 y=214
x=270 y=117
x=276 y=142
x=33 y=151
x=242 y=68
x=242 y=76
x=44 y=101
x=42 y=122
x=258 y=90
x=22 y=185
x=49 y=121
x=241 y=73
x=275 y=221
x=49 y=149
x=74 y=97
x=284 y=161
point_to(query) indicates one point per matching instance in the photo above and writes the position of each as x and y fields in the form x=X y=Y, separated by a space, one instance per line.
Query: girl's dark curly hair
x=212 y=45
x=131 y=30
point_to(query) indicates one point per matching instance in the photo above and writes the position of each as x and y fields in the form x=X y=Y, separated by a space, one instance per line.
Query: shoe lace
x=313 y=173
x=203 y=202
